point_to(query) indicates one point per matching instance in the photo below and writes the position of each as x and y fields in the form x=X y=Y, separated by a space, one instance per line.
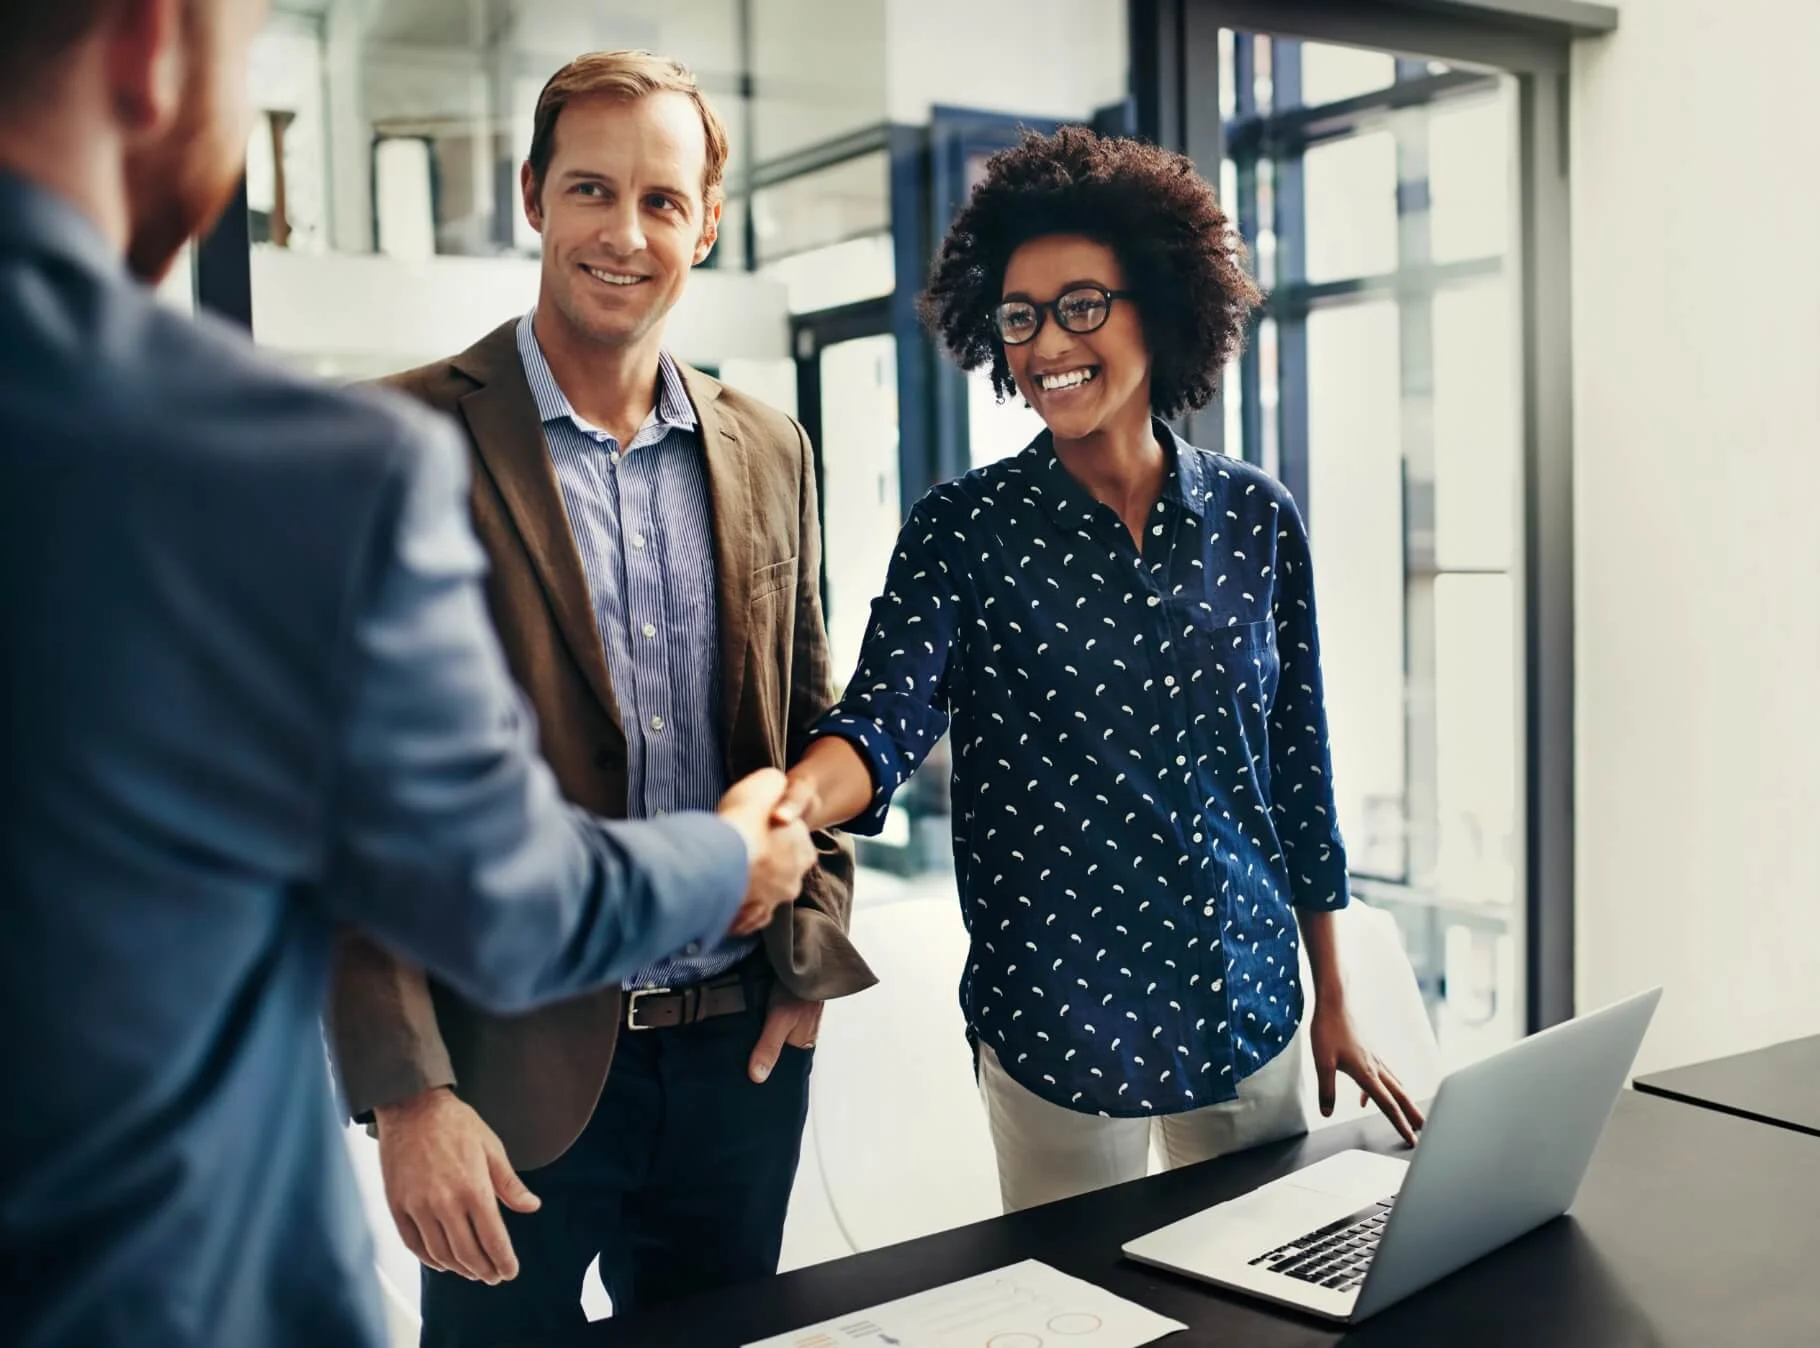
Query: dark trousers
x=679 y=1183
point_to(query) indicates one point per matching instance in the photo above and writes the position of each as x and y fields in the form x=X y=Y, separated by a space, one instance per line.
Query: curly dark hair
x=1180 y=255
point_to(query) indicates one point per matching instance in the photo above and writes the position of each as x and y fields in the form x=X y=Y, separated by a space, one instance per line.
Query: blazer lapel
x=508 y=435
x=730 y=498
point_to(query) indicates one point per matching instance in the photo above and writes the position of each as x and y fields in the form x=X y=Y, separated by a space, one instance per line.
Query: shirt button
x=657 y=723
x=693 y=948
x=1153 y=601
x=638 y=540
x=1181 y=761
x=649 y=630
x=1206 y=912
x=1169 y=681
x=1197 y=837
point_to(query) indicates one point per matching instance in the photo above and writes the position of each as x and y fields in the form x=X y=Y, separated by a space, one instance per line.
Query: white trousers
x=1046 y=1152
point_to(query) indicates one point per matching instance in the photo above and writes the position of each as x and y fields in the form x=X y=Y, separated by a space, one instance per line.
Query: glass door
x=859 y=483
x=847 y=397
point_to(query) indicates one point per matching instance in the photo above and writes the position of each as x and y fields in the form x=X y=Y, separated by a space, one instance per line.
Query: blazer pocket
x=777 y=576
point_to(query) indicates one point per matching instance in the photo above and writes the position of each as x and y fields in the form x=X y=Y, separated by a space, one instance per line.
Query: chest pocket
x=1229 y=657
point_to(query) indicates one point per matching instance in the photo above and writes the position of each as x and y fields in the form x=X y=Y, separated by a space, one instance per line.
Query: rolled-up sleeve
x=1301 y=765
x=896 y=708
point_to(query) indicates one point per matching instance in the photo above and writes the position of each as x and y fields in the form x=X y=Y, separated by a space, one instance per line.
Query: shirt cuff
x=1319 y=880
x=882 y=760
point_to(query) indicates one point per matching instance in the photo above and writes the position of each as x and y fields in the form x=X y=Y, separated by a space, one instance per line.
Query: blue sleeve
x=895 y=708
x=449 y=840
x=1301 y=765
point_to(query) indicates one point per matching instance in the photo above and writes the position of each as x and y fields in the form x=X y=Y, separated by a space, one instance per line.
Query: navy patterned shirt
x=644 y=528
x=1141 y=782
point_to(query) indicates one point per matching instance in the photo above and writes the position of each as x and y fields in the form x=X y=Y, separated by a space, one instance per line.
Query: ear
x=145 y=63
x=710 y=232
x=527 y=187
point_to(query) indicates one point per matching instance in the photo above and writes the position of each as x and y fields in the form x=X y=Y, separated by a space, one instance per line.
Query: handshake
x=778 y=846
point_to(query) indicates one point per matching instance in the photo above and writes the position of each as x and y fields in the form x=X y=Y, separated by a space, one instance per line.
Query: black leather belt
x=666 y=1008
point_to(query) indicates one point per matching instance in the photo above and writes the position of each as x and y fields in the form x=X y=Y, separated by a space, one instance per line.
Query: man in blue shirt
x=655 y=550
x=248 y=695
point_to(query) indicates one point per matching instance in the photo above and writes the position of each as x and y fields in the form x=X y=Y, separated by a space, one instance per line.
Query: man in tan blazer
x=656 y=554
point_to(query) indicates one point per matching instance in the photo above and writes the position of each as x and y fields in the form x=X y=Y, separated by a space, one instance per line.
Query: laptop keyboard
x=1337 y=1255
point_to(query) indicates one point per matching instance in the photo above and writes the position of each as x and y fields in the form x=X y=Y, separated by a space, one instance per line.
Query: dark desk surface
x=1778 y=1085
x=1693 y=1228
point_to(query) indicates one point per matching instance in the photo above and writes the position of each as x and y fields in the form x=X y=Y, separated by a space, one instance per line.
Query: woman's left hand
x=1337 y=1049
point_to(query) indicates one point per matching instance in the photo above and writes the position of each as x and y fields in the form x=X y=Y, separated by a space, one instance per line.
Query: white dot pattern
x=1141 y=780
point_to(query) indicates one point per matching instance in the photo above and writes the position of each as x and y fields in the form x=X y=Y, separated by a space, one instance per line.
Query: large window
x=1377 y=196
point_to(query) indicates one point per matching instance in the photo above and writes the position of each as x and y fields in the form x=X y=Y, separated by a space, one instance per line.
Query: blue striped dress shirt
x=642 y=522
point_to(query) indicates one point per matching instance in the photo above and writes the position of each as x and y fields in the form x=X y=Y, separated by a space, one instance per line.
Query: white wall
x=1041 y=58
x=1697 y=530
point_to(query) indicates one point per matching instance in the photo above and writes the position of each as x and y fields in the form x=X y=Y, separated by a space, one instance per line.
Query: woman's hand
x=1337 y=1049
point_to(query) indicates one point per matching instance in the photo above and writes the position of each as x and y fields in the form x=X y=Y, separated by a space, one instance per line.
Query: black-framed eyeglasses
x=1081 y=309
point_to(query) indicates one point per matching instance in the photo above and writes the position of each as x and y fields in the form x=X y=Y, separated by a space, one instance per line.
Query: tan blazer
x=535 y=1078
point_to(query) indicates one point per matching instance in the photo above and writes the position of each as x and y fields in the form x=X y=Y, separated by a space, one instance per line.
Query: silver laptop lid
x=1507 y=1143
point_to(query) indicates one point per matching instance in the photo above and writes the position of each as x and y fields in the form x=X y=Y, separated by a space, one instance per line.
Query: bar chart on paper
x=1027 y=1305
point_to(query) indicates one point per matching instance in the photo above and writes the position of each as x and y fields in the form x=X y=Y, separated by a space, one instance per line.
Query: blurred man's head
x=624 y=183
x=154 y=93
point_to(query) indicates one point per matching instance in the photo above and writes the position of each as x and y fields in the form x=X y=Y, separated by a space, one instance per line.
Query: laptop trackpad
x=1309 y=1199
x=1356 y=1177
x=1280 y=1211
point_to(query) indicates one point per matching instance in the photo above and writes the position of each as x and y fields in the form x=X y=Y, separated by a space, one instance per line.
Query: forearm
x=833 y=783
x=652 y=888
x=382 y=1027
x=1323 y=956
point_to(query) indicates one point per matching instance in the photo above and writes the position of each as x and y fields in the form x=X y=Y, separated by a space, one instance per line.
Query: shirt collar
x=673 y=410
x=45 y=222
x=1071 y=505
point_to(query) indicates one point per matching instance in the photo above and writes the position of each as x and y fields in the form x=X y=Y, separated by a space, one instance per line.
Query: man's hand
x=445 y=1176
x=790 y=1020
x=781 y=854
x=1337 y=1049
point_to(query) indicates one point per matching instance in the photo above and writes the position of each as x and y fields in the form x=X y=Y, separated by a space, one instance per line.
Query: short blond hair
x=626 y=75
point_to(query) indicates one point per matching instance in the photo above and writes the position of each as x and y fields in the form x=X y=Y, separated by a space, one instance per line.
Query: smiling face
x=1082 y=384
x=621 y=214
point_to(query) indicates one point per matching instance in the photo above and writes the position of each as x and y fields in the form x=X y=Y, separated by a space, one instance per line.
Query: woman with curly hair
x=1120 y=629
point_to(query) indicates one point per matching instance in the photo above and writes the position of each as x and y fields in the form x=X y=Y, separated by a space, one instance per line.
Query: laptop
x=1507 y=1143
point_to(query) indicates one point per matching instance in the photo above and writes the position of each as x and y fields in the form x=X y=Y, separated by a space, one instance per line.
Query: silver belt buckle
x=632 y=1001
